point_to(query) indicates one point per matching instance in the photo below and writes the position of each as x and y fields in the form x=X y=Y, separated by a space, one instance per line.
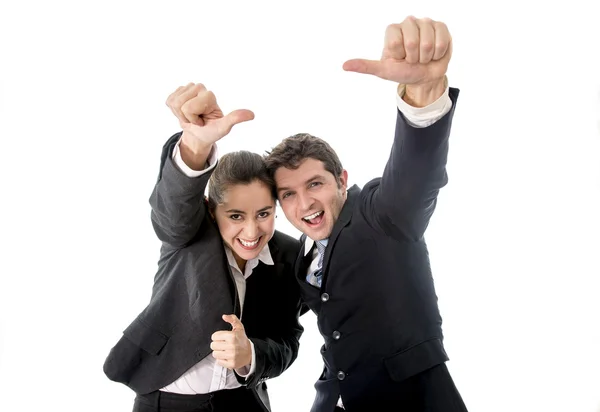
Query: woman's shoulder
x=285 y=243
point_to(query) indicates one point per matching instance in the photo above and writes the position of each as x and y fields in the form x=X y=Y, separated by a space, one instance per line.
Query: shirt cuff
x=244 y=371
x=185 y=169
x=424 y=116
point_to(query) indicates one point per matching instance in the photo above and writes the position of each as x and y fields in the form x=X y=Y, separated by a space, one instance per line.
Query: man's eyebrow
x=315 y=177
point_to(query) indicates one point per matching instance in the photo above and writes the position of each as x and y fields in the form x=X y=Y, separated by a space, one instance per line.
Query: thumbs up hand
x=232 y=348
x=202 y=121
x=200 y=116
x=416 y=53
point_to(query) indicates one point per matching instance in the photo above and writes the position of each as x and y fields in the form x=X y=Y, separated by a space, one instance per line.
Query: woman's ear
x=210 y=208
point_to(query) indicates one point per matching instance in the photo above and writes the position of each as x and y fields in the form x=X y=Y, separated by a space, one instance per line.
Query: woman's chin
x=248 y=252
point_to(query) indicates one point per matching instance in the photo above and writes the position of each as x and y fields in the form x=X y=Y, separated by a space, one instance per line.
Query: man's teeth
x=249 y=244
x=312 y=216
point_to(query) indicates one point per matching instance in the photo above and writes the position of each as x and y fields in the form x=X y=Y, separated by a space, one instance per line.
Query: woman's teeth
x=249 y=244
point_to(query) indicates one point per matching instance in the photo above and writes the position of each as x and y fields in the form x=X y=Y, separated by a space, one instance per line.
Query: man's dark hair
x=295 y=149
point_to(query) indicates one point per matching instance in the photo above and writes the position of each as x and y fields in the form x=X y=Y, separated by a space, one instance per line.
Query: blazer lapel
x=278 y=265
x=302 y=261
x=233 y=293
x=342 y=221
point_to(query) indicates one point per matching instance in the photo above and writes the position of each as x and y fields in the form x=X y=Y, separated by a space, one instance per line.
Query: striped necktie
x=315 y=277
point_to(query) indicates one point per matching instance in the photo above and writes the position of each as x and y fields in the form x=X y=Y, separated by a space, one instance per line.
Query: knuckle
x=210 y=96
x=411 y=44
x=395 y=43
x=427 y=46
x=178 y=103
x=391 y=28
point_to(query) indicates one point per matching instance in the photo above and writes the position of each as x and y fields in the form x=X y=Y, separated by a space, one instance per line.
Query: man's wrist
x=424 y=94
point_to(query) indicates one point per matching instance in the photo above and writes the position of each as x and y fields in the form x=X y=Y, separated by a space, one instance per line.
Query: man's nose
x=305 y=202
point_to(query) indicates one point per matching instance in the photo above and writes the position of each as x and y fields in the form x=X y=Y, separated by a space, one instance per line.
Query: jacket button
x=336 y=335
x=325 y=297
x=341 y=375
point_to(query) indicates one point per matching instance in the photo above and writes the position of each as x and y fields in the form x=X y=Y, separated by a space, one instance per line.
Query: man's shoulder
x=371 y=185
x=360 y=196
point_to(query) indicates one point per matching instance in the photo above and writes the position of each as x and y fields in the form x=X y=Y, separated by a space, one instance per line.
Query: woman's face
x=246 y=218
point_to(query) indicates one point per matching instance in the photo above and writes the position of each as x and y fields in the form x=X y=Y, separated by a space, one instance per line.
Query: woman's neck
x=240 y=262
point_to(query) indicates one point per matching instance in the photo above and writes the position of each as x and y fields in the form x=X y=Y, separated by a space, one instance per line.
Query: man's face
x=311 y=197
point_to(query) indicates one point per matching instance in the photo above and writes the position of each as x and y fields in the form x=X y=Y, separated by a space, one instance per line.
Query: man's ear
x=343 y=180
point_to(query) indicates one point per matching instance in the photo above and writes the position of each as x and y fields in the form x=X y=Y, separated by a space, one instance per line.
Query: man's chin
x=318 y=234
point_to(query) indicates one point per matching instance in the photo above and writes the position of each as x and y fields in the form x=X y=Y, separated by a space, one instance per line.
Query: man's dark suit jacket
x=377 y=308
x=193 y=288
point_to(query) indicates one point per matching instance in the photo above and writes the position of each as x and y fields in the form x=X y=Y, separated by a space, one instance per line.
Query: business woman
x=223 y=316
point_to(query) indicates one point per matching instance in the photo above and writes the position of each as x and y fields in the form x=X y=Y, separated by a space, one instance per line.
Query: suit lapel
x=233 y=293
x=342 y=221
x=302 y=261
x=278 y=266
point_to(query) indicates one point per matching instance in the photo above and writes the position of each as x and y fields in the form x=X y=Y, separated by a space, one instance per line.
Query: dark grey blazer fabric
x=193 y=288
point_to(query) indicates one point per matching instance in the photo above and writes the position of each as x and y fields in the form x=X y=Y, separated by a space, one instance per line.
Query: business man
x=364 y=269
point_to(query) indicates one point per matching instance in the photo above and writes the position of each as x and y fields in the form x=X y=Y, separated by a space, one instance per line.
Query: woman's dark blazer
x=194 y=287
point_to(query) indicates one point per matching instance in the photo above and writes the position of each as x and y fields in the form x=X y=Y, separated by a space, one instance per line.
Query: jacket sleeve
x=177 y=201
x=405 y=198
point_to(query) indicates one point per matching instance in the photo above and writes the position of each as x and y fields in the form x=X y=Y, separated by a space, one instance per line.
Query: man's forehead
x=308 y=170
x=305 y=167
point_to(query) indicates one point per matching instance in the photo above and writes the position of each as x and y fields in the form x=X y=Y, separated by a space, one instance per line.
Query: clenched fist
x=202 y=121
x=232 y=348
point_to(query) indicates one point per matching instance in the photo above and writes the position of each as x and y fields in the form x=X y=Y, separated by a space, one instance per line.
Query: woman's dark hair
x=241 y=167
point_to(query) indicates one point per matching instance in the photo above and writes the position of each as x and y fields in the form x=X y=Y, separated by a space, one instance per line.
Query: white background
x=514 y=242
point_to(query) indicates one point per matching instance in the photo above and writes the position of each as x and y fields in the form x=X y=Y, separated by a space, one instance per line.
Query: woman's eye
x=263 y=215
x=235 y=217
